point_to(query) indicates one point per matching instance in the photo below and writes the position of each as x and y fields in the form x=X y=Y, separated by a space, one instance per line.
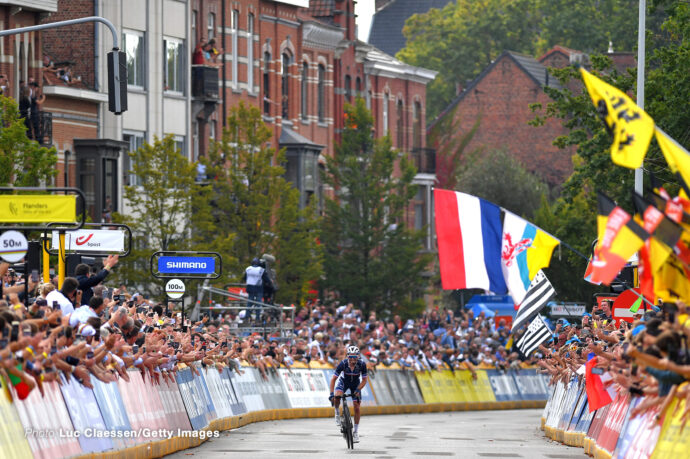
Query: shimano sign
x=187 y=265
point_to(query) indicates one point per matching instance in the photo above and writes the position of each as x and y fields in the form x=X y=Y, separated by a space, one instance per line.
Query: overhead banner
x=91 y=240
x=17 y=208
x=187 y=265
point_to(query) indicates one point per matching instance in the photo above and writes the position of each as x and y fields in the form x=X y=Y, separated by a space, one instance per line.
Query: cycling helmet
x=255 y=262
x=352 y=351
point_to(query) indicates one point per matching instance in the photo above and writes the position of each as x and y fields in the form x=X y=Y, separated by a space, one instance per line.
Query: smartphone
x=53 y=349
x=175 y=345
x=15 y=331
x=140 y=310
x=225 y=344
x=169 y=314
x=184 y=329
x=117 y=298
x=34 y=275
x=597 y=371
x=89 y=355
x=3 y=343
x=135 y=349
x=107 y=293
x=56 y=306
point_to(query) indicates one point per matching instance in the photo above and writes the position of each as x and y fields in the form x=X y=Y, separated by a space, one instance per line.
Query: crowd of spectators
x=646 y=357
x=89 y=330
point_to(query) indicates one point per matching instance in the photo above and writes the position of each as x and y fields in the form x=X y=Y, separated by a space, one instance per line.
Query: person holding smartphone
x=88 y=280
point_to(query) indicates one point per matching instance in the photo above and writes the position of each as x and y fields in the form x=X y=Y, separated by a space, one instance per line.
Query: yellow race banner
x=17 y=208
x=631 y=127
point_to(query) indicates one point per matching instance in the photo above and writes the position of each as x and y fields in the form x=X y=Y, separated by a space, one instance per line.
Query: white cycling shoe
x=355 y=437
x=337 y=420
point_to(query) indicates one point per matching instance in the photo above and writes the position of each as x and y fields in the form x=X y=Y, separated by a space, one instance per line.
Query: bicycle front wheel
x=347 y=420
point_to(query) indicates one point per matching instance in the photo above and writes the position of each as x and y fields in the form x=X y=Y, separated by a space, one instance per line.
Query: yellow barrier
x=13 y=442
x=673 y=442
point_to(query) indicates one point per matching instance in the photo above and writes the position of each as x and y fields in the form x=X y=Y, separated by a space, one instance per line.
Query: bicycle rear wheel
x=347 y=420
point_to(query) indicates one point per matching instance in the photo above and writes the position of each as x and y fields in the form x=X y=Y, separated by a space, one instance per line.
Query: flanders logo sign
x=186 y=265
x=17 y=208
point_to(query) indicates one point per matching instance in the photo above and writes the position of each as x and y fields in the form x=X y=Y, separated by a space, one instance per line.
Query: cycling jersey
x=349 y=378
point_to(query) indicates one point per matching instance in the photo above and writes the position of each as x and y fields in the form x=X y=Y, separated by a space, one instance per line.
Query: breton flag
x=631 y=127
x=537 y=333
x=468 y=231
x=525 y=250
x=619 y=237
x=539 y=293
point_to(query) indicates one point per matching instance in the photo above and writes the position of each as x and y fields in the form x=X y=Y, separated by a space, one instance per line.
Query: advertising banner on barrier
x=368 y=398
x=408 y=386
x=47 y=424
x=427 y=387
x=581 y=402
x=482 y=387
x=86 y=417
x=572 y=394
x=144 y=407
x=629 y=430
x=614 y=422
x=271 y=390
x=173 y=406
x=394 y=386
x=379 y=386
x=466 y=385
x=13 y=438
x=530 y=384
x=219 y=395
x=246 y=390
x=113 y=412
x=305 y=388
x=236 y=403
x=642 y=445
x=196 y=398
x=503 y=385
x=673 y=441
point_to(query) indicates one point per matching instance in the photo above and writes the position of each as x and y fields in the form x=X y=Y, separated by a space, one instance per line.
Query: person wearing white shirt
x=64 y=297
x=84 y=313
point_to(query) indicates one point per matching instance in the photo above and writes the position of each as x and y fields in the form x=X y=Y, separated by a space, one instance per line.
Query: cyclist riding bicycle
x=347 y=374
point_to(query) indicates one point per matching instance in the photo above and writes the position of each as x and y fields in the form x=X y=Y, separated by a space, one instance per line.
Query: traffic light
x=117 y=81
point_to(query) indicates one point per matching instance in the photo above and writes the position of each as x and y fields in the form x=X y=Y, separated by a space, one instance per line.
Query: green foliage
x=371 y=257
x=498 y=177
x=254 y=210
x=23 y=162
x=160 y=208
x=465 y=36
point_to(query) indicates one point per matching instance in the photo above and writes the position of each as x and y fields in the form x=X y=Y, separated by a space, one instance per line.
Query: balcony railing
x=204 y=82
x=425 y=160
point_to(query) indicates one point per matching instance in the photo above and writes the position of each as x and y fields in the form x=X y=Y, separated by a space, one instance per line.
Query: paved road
x=467 y=435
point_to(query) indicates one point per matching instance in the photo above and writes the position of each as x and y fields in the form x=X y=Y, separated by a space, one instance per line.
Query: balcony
x=204 y=90
x=424 y=159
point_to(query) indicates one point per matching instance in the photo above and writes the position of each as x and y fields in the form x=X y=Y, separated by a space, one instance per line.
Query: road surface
x=465 y=434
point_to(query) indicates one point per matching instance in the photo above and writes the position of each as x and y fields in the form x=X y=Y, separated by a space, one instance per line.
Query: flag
x=525 y=250
x=539 y=293
x=537 y=333
x=619 y=237
x=636 y=305
x=597 y=396
x=677 y=157
x=630 y=126
x=662 y=229
x=672 y=281
x=588 y=272
x=468 y=231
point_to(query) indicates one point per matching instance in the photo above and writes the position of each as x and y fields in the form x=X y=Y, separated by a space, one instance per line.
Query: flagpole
x=639 y=179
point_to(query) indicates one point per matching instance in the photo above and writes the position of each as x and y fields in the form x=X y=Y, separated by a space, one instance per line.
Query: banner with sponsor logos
x=367 y=394
x=144 y=407
x=305 y=388
x=186 y=265
x=236 y=402
x=114 y=412
x=245 y=385
x=173 y=406
x=91 y=241
x=196 y=398
x=42 y=208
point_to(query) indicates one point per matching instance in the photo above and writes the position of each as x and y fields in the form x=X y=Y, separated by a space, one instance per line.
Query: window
x=267 y=84
x=211 y=25
x=133 y=44
x=399 y=124
x=322 y=93
x=195 y=15
x=212 y=129
x=285 y=82
x=235 y=57
x=417 y=126
x=419 y=209
x=250 y=53
x=348 y=88
x=174 y=65
x=135 y=139
x=385 y=114
x=358 y=87
x=305 y=90
x=180 y=145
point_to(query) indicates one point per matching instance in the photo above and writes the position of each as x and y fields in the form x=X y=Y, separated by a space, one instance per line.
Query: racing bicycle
x=346 y=423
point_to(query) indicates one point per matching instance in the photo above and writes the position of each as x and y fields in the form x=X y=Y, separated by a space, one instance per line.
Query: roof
x=533 y=68
x=376 y=62
x=290 y=137
x=559 y=49
x=321 y=8
x=387 y=24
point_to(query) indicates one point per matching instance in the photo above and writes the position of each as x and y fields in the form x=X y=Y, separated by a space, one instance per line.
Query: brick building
x=499 y=99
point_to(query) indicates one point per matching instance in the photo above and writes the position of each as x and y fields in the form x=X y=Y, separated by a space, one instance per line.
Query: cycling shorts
x=352 y=386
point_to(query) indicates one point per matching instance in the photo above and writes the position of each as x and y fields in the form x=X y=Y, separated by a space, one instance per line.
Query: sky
x=364 y=9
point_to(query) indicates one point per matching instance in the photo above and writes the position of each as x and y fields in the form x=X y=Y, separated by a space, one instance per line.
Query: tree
x=255 y=210
x=465 y=36
x=371 y=257
x=23 y=162
x=496 y=176
x=160 y=207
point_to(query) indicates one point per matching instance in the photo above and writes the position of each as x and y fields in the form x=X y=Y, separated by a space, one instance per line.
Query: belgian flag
x=619 y=238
